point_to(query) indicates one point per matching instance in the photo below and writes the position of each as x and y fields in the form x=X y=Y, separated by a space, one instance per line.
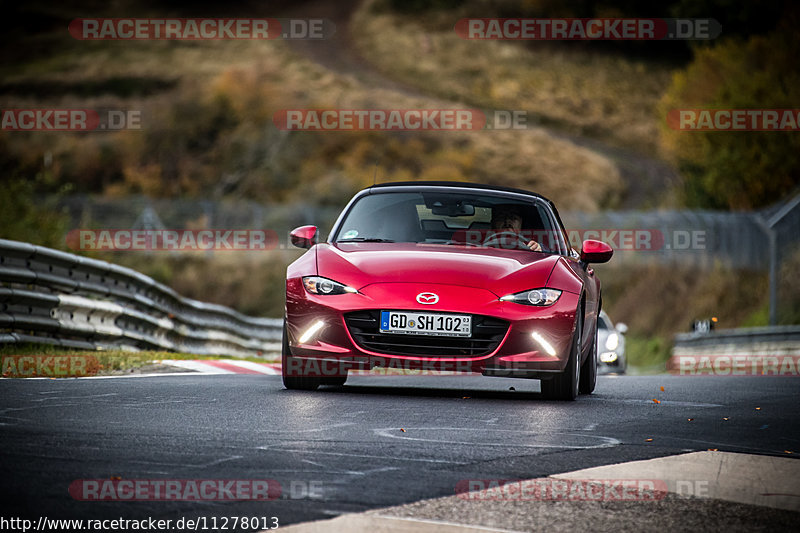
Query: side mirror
x=621 y=327
x=304 y=236
x=596 y=252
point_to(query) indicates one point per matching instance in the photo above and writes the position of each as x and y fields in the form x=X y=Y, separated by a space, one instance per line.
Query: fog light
x=608 y=357
x=546 y=346
x=310 y=332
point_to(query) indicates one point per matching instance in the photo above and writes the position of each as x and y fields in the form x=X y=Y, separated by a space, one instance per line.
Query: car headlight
x=325 y=286
x=612 y=341
x=538 y=297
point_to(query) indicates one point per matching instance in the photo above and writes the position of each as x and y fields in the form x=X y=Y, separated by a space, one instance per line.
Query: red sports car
x=444 y=276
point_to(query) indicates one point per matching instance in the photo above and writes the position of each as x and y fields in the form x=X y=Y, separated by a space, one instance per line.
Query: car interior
x=435 y=219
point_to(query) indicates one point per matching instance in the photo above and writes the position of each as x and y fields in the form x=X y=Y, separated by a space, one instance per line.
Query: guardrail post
x=773 y=278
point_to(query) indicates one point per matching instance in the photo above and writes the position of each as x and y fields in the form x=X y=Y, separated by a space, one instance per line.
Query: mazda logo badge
x=427 y=298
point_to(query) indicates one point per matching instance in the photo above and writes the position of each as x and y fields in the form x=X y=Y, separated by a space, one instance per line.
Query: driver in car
x=506 y=227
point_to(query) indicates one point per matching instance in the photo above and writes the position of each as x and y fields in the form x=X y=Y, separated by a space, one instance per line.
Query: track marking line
x=606 y=442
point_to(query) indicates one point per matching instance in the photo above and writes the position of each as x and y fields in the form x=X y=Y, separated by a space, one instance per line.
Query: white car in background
x=611 y=346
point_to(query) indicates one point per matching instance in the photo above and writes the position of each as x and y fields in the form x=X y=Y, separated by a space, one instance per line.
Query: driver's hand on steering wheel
x=535 y=246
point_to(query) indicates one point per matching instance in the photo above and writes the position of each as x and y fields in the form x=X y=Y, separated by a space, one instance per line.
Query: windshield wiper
x=365 y=239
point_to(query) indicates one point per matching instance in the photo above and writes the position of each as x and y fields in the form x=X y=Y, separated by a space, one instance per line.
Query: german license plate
x=411 y=323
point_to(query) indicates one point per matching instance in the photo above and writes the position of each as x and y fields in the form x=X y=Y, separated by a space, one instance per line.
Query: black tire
x=287 y=361
x=334 y=382
x=589 y=368
x=564 y=386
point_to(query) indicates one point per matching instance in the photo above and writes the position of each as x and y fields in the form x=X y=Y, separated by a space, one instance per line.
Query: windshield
x=449 y=218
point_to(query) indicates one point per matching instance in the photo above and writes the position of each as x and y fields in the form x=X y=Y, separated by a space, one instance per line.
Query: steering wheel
x=507 y=240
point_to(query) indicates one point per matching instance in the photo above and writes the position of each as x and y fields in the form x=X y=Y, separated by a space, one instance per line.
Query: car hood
x=499 y=271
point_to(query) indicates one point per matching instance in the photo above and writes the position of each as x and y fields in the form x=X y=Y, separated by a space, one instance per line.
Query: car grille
x=487 y=333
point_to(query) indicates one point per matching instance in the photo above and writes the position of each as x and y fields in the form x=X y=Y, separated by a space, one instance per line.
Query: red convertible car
x=444 y=276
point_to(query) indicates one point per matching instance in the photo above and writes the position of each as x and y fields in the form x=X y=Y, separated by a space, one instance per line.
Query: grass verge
x=100 y=362
x=647 y=355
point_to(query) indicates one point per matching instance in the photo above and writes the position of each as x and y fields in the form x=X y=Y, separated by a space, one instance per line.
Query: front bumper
x=536 y=341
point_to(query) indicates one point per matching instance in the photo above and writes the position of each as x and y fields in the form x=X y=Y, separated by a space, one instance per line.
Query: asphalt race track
x=343 y=450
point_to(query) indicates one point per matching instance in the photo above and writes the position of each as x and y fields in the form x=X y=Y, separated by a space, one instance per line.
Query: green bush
x=23 y=217
x=644 y=352
x=737 y=170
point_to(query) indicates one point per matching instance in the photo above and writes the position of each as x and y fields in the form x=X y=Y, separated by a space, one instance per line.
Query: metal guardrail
x=53 y=297
x=774 y=340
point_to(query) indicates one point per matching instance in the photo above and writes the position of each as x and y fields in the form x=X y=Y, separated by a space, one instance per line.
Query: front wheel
x=589 y=369
x=564 y=386
x=290 y=365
